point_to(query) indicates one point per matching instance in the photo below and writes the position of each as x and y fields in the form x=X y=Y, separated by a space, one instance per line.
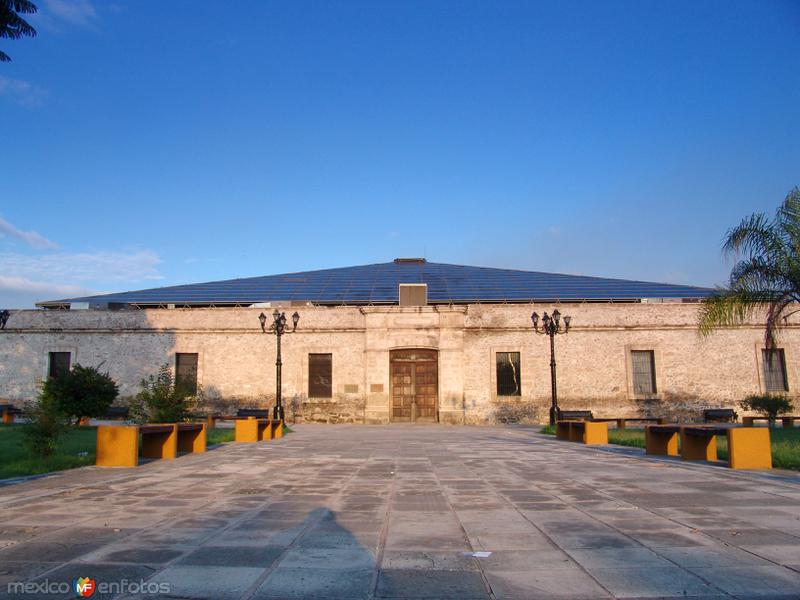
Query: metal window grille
x=644 y=372
x=320 y=375
x=774 y=370
x=186 y=372
x=59 y=364
x=508 y=374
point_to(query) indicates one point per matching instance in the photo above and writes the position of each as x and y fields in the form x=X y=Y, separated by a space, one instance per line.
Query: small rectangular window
x=775 y=370
x=643 y=363
x=59 y=364
x=508 y=375
x=186 y=372
x=320 y=375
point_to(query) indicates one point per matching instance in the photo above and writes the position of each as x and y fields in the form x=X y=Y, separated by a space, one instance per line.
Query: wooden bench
x=242 y=413
x=586 y=432
x=623 y=421
x=9 y=412
x=252 y=429
x=748 y=448
x=662 y=439
x=119 y=445
x=575 y=415
x=117 y=412
x=719 y=415
x=787 y=422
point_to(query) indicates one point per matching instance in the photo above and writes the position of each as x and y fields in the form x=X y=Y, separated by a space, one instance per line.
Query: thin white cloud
x=22 y=92
x=74 y=12
x=32 y=238
x=79 y=268
x=21 y=284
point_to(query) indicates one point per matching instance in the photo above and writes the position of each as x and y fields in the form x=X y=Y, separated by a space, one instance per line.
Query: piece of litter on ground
x=479 y=554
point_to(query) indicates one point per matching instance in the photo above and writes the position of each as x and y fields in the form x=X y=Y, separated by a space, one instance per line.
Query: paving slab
x=351 y=511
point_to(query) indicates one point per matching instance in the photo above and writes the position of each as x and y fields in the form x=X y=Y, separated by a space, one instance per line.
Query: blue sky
x=155 y=143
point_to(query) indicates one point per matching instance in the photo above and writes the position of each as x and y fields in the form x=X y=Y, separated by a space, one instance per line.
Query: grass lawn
x=15 y=460
x=785 y=443
x=75 y=449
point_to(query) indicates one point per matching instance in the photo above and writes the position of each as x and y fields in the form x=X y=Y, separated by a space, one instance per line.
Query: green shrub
x=46 y=423
x=82 y=392
x=769 y=405
x=161 y=399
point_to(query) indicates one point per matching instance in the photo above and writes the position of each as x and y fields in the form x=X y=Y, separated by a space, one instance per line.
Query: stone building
x=408 y=340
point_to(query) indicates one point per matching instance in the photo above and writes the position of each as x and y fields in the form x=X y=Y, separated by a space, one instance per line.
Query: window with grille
x=508 y=375
x=774 y=370
x=59 y=364
x=643 y=363
x=186 y=372
x=320 y=375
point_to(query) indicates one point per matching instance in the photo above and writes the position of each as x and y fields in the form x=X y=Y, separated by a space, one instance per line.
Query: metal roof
x=378 y=284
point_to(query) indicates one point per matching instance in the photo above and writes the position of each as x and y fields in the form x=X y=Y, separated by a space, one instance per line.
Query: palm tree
x=12 y=26
x=766 y=276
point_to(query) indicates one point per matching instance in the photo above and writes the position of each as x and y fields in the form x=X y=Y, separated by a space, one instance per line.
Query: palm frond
x=728 y=308
x=21 y=6
x=754 y=236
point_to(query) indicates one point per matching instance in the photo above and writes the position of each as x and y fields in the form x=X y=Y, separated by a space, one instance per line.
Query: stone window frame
x=73 y=357
x=659 y=371
x=790 y=374
x=526 y=374
x=173 y=364
x=334 y=373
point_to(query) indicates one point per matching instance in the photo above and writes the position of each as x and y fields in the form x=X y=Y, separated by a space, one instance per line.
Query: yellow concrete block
x=277 y=430
x=661 y=443
x=117 y=446
x=595 y=433
x=8 y=418
x=160 y=445
x=749 y=448
x=698 y=447
x=246 y=430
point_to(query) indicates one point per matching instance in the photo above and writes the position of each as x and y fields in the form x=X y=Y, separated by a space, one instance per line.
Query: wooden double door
x=414 y=375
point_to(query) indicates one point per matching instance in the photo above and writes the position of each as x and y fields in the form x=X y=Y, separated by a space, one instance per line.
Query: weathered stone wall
x=237 y=361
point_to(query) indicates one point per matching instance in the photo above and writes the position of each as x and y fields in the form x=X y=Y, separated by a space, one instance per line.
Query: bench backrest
x=575 y=414
x=719 y=414
x=117 y=411
x=261 y=413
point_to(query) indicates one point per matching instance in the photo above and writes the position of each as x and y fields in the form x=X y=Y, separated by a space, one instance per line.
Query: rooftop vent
x=417 y=261
x=413 y=294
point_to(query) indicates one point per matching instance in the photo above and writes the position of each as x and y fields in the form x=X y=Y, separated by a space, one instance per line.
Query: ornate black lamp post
x=4 y=314
x=278 y=327
x=551 y=326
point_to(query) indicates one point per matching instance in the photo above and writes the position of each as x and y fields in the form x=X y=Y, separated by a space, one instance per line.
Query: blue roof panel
x=379 y=283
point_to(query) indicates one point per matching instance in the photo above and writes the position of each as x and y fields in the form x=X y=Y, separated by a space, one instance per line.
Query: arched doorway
x=414 y=376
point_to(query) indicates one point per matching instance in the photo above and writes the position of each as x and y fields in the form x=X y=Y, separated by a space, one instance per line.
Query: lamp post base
x=553 y=415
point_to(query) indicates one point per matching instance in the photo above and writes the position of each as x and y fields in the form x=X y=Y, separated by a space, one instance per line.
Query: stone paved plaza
x=396 y=511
